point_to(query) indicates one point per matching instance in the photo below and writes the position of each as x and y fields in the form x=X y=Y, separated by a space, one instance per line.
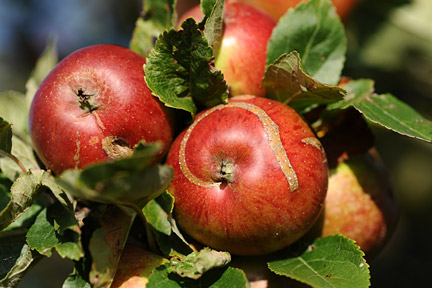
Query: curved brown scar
x=77 y=151
x=272 y=131
x=314 y=142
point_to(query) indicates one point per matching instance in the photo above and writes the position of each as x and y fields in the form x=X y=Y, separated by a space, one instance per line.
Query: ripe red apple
x=359 y=203
x=277 y=8
x=135 y=266
x=250 y=177
x=242 y=55
x=94 y=106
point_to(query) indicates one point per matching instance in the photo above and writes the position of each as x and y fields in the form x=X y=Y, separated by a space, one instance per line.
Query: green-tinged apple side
x=95 y=106
x=359 y=203
x=250 y=176
x=242 y=55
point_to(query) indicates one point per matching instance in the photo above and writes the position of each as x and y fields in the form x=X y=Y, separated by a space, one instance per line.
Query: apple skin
x=242 y=55
x=360 y=204
x=96 y=93
x=232 y=191
x=277 y=8
x=135 y=266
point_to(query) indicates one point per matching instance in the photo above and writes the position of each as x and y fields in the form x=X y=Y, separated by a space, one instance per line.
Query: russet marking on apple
x=272 y=131
x=314 y=142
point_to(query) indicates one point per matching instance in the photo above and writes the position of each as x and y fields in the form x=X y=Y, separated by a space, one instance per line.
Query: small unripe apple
x=242 y=55
x=95 y=106
x=250 y=177
x=277 y=8
x=359 y=203
x=135 y=266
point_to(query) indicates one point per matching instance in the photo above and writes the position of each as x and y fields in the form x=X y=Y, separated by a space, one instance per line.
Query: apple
x=250 y=177
x=95 y=106
x=242 y=55
x=277 y=8
x=359 y=203
x=135 y=266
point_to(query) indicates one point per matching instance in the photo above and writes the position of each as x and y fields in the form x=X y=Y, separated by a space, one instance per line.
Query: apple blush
x=250 y=177
x=95 y=106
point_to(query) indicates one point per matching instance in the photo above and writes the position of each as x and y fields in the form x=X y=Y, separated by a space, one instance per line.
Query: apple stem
x=13 y=158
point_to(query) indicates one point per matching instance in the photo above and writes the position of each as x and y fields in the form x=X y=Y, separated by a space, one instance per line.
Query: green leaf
x=75 y=281
x=180 y=70
x=46 y=62
x=173 y=244
x=5 y=136
x=57 y=191
x=56 y=228
x=24 y=191
x=42 y=236
x=107 y=242
x=287 y=83
x=16 y=258
x=207 y=6
x=316 y=32
x=333 y=261
x=29 y=216
x=216 y=278
x=157 y=212
x=385 y=110
x=22 y=151
x=213 y=28
x=15 y=110
x=157 y=15
x=130 y=181
x=196 y=264
x=161 y=12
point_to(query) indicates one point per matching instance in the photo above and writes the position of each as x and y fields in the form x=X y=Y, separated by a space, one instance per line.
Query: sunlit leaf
x=216 y=278
x=180 y=70
x=385 y=110
x=316 y=32
x=287 y=83
x=157 y=15
x=333 y=261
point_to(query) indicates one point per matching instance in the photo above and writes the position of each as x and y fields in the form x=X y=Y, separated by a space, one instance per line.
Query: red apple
x=359 y=203
x=94 y=106
x=250 y=177
x=242 y=55
x=135 y=266
x=277 y=8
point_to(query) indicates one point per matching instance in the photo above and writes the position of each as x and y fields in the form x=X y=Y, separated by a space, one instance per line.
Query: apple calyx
x=225 y=174
x=116 y=148
x=86 y=100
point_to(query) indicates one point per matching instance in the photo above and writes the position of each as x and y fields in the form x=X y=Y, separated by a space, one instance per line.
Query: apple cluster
x=251 y=176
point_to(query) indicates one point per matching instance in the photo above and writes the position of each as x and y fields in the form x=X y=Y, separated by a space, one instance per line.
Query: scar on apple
x=116 y=148
x=77 y=152
x=271 y=129
x=314 y=142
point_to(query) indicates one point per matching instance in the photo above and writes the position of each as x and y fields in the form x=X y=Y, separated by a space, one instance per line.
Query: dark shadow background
x=390 y=41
